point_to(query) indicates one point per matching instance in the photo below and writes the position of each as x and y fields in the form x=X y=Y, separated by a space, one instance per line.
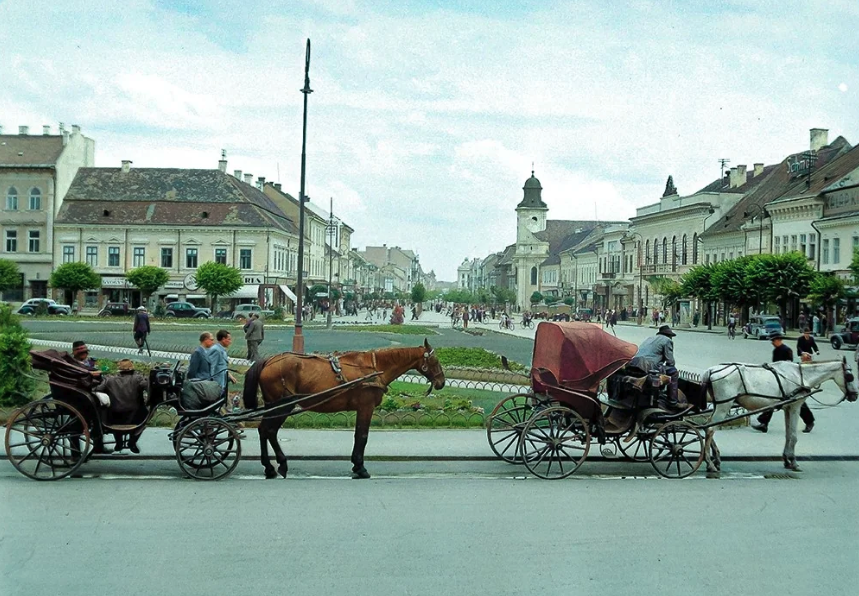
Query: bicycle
x=527 y=324
x=456 y=322
x=506 y=324
x=732 y=331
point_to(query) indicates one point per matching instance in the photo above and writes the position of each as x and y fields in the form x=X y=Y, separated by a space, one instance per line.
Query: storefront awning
x=246 y=291
x=289 y=293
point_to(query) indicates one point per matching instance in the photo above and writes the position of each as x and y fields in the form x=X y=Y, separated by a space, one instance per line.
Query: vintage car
x=243 y=311
x=848 y=336
x=584 y=314
x=186 y=310
x=760 y=326
x=116 y=309
x=34 y=305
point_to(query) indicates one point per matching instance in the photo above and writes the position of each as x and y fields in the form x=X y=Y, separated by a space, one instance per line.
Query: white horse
x=758 y=386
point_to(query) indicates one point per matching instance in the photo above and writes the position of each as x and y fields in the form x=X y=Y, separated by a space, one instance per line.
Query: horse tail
x=249 y=395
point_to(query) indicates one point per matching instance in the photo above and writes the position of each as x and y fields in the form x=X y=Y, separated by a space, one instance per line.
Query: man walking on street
x=254 y=334
x=783 y=353
x=141 y=328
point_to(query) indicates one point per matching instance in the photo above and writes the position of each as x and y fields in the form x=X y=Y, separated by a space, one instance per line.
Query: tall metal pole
x=298 y=338
x=331 y=232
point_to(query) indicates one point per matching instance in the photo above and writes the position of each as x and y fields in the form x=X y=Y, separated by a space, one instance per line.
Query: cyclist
x=732 y=325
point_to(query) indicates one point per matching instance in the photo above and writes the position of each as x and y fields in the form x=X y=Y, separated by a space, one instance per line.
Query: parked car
x=760 y=326
x=243 y=311
x=31 y=307
x=116 y=309
x=584 y=314
x=186 y=310
x=848 y=336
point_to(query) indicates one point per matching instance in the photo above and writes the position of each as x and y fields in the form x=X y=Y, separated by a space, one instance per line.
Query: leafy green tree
x=698 y=283
x=503 y=295
x=16 y=386
x=825 y=290
x=218 y=279
x=854 y=266
x=670 y=290
x=10 y=277
x=147 y=279
x=570 y=301
x=419 y=293
x=536 y=297
x=729 y=281
x=75 y=277
x=780 y=278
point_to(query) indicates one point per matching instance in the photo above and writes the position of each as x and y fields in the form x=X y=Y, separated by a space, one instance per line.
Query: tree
x=670 y=290
x=419 y=293
x=854 y=266
x=698 y=283
x=825 y=290
x=75 y=277
x=147 y=279
x=503 y=295
x=730 y=282
x=536 y=297
x=10 y=277
x=218 y=279
x=570 y=301
x=16 y=386
x=780 y=278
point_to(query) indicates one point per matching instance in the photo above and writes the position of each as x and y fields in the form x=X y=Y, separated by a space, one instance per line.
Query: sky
x=426 y=115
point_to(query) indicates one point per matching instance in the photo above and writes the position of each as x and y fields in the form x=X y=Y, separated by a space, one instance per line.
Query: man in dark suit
x=783 y=353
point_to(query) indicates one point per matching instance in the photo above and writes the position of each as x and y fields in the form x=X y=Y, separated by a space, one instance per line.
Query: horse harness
x=778 y=378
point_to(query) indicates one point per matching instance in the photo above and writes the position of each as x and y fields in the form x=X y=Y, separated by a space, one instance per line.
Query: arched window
x=35 y=199
x=664 y=249
x=683 y=253
x=674 y=251
x=656 y=251
x=533 y=276
x=12 y=199
x=646 y=252
x=695 y=248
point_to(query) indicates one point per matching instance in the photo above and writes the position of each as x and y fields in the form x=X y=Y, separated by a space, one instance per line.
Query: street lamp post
x=640 y=275
x=331 y=230
x=762 y=213
x=298 y=338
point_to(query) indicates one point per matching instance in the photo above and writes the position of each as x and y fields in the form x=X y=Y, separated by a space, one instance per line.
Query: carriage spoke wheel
x=554 y=443
x=677 y=449
x=208 y=449
x=505 y=423
x=47 y=440
x=638 y=449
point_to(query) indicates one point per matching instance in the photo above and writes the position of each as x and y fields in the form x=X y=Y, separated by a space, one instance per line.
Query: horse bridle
x=424 y=366
x=848 y=378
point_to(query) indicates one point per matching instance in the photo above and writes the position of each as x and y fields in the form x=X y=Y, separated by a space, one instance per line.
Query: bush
x=16 y=382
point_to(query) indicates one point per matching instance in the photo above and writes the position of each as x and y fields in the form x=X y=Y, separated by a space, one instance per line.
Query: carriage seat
x=200 y=398
x=206 y=411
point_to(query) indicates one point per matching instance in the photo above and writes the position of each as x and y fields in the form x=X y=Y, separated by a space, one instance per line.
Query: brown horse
x=291 y=374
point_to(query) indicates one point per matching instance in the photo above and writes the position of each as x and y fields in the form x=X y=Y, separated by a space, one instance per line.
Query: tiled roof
x=166 y=196
x=778 y=183
x=30 y=150
x=506 y=258
x=564 y=234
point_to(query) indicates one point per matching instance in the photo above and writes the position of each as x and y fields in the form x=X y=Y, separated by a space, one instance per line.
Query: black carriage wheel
x=637 y=450
x=505 y=423
x=554 y=443
x=676 y=449
x=47 y=440
x=208 y=449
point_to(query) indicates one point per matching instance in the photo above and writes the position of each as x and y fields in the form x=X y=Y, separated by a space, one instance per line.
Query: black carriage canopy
x=63 y=367
x=579 y=354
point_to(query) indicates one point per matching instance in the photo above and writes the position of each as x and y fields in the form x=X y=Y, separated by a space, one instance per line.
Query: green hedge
x=16 y=384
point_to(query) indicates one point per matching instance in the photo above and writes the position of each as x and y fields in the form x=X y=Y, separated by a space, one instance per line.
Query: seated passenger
x=80 y=352
x=199 y=369
x=658 y=352
x=127 y=402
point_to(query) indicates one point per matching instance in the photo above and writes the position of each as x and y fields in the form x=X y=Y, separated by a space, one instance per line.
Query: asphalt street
x=456 y=533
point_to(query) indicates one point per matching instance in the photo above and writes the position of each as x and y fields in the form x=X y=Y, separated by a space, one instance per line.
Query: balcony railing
x=659 y=268
x=608 y=275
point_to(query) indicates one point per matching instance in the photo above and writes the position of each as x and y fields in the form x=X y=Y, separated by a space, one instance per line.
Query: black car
x=186 y=310
x=116 y=309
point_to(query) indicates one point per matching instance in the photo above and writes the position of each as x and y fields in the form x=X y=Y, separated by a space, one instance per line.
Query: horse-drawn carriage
x=586 y=386
x=50 y=438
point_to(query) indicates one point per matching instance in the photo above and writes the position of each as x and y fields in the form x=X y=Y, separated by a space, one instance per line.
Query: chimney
x=46 y=129
x=759 y=169
x=742 y=176
x=732 y=180
x=260 y=182
x=237 y=174
x=222 y=164
x=76 y=130
x=819 y=138
x=65 y=138
x=23 y=130
x=126 y=166
x=277 y=185
x=249 y=178
x=62 y=127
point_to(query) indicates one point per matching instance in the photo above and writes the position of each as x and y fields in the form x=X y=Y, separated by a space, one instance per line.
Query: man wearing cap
x=80 y=352
x=141 y=328
x=805 y=345
x=127 y=403
x=658 y=352
x=782 y=353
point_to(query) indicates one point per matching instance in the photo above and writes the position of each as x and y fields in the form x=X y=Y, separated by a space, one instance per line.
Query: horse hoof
x=283 y=469
x=360 y=475
x=714 y=474
x=270 y=473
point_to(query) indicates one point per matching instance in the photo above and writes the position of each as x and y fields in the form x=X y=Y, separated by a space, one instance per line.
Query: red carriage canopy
x=580 y=355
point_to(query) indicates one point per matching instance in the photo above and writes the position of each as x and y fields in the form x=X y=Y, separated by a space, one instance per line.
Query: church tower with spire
x=531 y=214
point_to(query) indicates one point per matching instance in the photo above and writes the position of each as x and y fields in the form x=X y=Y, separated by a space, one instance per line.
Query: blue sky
x=426 y=115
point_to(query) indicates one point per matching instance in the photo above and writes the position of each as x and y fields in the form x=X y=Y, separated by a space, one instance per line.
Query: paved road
x=451 y=535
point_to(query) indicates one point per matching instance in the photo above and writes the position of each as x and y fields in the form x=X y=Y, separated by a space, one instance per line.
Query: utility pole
x=298 y=338
x=722 y=163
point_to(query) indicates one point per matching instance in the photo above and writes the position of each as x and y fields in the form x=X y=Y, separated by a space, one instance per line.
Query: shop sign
x=174 y=285
x=190 y=282
x=253 y=280
x=115 y=282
